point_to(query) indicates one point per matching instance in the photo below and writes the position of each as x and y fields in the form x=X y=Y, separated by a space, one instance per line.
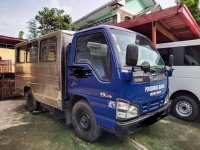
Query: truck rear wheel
x=31 y=103
x=84 y=122
x=185 y=108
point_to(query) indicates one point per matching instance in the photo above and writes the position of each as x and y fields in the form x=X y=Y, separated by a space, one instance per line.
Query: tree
x=53 y=19
x=193 y=6
x=32 y=28
x=21 y=34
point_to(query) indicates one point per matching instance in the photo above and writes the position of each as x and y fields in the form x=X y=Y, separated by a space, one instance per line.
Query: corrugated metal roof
x=112 y=2
x=10 y=40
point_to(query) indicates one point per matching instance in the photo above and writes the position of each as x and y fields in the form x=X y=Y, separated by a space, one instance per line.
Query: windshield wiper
x=152 y=69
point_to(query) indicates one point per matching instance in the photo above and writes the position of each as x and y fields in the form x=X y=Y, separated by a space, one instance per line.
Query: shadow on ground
x=46 y=131
x=170 y=133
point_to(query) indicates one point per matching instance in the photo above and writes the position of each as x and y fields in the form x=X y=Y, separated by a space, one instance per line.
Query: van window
x=48 y=50
x=20 y=54
x=165 y=54
x=183 y=56
x=32 y=52
x=192 y=55
x=93 y=49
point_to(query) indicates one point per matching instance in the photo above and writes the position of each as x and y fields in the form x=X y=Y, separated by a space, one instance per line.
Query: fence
x=6 y=66
x=7 y=79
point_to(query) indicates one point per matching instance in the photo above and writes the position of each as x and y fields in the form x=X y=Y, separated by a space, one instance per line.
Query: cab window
x=93 y=49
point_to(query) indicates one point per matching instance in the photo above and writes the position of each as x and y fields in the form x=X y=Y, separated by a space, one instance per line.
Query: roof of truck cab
x=68 y=32
x=107 y=27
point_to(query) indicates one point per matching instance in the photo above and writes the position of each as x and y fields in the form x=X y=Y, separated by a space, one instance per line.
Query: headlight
x=166 y=99
x=132 y=112
x=122 y=105
x=125 y=110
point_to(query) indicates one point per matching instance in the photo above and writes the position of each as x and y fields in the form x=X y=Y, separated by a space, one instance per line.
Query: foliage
x=193 y=6
x=53 y=19
x=33 y=29
x=21 y=34
x=49 y=20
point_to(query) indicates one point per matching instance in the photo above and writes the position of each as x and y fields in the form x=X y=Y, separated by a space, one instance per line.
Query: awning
x=10 y=40
x=171 y=24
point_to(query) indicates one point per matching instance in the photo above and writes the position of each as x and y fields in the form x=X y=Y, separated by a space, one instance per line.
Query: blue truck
x=103 y=78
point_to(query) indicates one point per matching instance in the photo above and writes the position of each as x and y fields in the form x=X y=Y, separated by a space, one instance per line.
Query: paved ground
x=21 y=130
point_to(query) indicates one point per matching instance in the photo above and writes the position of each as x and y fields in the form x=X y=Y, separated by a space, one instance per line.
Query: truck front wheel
x=185 y=108
x=84 y=122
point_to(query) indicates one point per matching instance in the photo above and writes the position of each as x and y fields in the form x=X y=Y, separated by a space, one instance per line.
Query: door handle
x=80 y=72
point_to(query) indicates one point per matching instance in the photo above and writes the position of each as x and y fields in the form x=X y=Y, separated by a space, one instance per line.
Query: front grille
x=151 y=105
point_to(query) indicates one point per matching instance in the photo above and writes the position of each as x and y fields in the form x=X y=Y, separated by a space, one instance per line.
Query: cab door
x=91 y=73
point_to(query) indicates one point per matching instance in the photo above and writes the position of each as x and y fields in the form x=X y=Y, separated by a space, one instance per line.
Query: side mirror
x=171 y=60
x=131 y=55
x=170 y=71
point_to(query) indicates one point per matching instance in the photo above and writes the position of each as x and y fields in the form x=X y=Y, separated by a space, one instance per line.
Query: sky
x=14 y=14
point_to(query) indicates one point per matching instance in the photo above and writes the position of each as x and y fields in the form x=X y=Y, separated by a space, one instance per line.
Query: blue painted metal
x=92 y=86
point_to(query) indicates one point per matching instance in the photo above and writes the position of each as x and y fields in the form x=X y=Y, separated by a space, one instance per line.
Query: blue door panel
x=98 y=92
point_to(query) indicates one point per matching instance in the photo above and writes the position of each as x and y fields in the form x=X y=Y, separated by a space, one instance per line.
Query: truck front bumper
x=129 y=127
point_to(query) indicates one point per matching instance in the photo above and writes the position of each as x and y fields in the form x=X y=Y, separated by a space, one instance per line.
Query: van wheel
x=185 y=108
x=84 y=122
x=31 y=103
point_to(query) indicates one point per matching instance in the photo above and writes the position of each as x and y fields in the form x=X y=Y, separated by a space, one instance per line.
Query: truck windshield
x=147 y=52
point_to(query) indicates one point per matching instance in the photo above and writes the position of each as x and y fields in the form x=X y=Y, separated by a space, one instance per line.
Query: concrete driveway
x=21 y=130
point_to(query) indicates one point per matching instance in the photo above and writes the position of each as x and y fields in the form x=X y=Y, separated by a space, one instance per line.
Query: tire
x=185 y=108
x=31 y=103
x=84 y=122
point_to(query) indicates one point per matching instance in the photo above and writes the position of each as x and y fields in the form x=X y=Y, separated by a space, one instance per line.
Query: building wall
x=124 y=14
x=134 y=6
x=130 y=9
x=8 y=54
x=102 y=18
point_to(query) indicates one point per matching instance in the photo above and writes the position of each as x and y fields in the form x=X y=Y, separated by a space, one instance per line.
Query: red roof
x=10 y=40
x=173 y=24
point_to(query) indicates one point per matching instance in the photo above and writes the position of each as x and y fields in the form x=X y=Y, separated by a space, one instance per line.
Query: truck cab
x=116 y=81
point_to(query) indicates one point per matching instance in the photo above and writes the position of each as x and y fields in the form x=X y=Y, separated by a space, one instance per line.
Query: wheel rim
x=83 y=121
x=184 y=108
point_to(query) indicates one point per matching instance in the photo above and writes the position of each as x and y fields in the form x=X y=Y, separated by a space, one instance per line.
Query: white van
x=184 y=85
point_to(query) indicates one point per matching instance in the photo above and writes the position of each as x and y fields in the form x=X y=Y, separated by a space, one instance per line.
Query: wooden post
x=154 y=37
